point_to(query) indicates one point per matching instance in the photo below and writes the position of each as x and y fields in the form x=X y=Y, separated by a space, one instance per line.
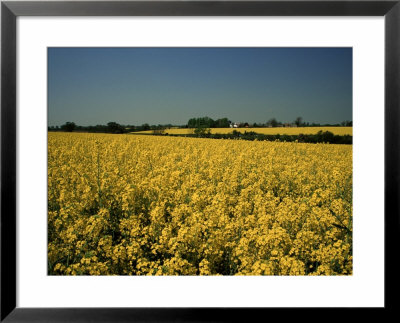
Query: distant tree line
x=320 y=137
x=200 y=124
x=110 y=127
x=207 y=122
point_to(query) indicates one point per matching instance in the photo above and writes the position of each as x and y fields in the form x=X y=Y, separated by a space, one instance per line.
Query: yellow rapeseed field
x=265 y=131
x=150 y=205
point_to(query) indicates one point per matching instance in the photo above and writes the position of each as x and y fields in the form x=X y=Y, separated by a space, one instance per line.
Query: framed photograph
x=197 y=160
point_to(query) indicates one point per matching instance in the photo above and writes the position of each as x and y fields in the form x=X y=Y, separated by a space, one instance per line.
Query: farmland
x=153 y=205
x=266 y=131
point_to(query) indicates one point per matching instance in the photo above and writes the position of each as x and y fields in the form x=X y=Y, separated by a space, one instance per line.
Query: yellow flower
x=153 y=205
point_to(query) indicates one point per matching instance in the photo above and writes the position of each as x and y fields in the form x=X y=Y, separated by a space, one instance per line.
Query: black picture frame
x=10 y=10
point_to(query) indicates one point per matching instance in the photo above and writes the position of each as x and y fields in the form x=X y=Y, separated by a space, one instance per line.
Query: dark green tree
x=114 y=127
x=145 y=126
x=68 y=127
x=272 y=123
x=201 y=122
x=299 y=121
x=222 y=123
x=202 y=131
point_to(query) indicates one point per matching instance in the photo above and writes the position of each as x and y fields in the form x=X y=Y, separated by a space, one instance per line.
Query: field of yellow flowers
x=151 y=205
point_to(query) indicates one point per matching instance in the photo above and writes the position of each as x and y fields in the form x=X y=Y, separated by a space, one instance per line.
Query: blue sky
x=92 y=86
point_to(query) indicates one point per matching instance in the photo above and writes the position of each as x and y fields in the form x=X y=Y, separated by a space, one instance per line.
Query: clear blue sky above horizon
x=134 y=86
